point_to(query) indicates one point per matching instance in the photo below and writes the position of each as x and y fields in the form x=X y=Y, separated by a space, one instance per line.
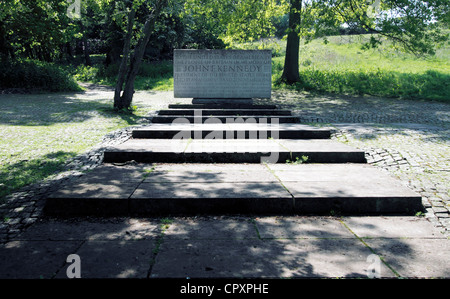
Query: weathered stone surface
x=210 y=173
x=215 y=198
x=415 y=257
x=233 y=151
x=34 y=259
x=225 y=188
x=295 y=227
x=392 y=227
x=113 y=259
x=218 y=74
x=263 y=259
x=231 y=131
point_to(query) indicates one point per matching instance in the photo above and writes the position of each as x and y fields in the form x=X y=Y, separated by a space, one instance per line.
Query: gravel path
x=408 y=139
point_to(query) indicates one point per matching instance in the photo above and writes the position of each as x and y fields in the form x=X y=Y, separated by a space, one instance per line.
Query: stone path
x=416 y=154
x=223 y=189
x=414 y=150
x=229 y=247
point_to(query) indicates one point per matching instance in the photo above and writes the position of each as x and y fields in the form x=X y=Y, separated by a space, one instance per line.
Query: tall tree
x=291 y=66
x=123 y=96
x=415 y=26
x=34 y=28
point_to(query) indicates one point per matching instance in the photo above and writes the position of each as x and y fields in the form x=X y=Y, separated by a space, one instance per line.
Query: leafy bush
x=277 y=46
x=37 y=75
x=431 y=85
x=86 y=73
x=163 y=69
x=152 y=75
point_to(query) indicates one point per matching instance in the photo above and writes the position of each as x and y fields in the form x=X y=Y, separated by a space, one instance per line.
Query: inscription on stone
x=222 y=74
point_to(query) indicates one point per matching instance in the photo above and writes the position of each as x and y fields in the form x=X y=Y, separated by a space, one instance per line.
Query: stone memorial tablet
x=222 y=74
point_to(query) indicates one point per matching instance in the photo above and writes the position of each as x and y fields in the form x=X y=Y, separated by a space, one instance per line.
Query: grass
x=338 y=66
x=341 y=66
x=152 y=75
x=39 y=133
x=36 y=75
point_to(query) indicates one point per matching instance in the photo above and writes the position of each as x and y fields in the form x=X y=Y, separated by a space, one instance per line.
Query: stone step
x=233 y=151
x=231 y=131
x=192 y=189
x=221 y=106
x=225 y=112
x=224 y=119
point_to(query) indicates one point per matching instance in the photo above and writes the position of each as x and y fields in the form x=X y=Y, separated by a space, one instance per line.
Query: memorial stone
x=222 y=74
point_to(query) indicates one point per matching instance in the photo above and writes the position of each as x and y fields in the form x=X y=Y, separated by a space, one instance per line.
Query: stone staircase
x=249 y=159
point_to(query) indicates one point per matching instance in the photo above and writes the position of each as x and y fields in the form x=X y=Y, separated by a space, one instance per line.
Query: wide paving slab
x=232 y=151
x=229 y=246
x=222 y=106
x=225 y=112
x=107 y=248
x=276 y=119
x=170 y=189
x=231 y=131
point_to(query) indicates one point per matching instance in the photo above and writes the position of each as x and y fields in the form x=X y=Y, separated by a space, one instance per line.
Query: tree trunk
x=123 y=64
x=291 y=67
x=87 y=56
x=136 y=59
x=69 y=53
x=113 y=55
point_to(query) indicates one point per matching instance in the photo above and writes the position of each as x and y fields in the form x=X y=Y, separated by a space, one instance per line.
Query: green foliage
x=40 y=132
x=342 y=66
x=152 y=75
x=34 y=28
x=415 y=26
x=278 y=48
x=235 y=21
x=298 y=160
x=38 y=75
x=86 y=73
x=156 y=69
x=431 y=85
x=25 y=172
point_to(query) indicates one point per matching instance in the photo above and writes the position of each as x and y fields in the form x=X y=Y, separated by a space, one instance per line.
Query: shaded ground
x=407 y=139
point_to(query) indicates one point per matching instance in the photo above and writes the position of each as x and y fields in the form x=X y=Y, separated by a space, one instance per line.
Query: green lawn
x=345 y=53
x=341 y=66
x=40 y=132
x=338 y=66
x=152 y=75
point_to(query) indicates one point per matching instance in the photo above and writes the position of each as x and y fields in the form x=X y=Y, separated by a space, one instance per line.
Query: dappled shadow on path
x=47 y=110
x=232 y=246
x=195 y=245
x=424 y=132
x=331 y=108
x=53 y=108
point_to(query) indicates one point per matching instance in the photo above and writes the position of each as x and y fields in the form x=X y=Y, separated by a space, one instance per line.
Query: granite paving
x=407 y=140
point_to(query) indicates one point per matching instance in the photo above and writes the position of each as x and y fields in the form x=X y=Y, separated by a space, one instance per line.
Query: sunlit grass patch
x=39 y=133
x=342 y=66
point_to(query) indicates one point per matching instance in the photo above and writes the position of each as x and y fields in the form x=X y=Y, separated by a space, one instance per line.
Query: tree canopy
x=46 y=30
x=56 y=30
x=414 y=26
